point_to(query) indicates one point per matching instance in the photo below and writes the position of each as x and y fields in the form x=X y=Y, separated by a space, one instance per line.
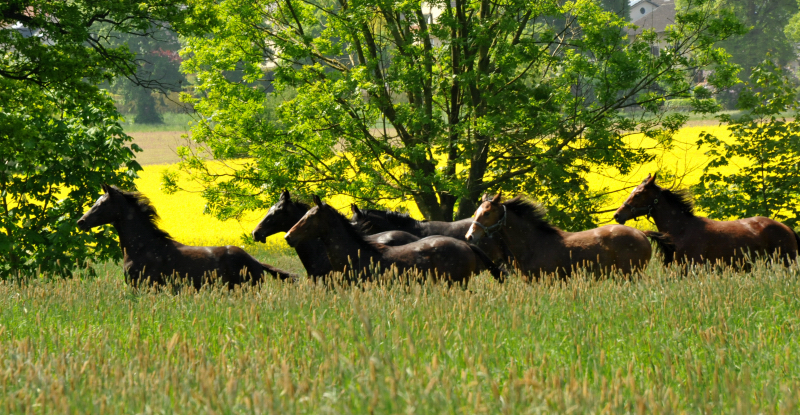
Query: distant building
x=652 y=15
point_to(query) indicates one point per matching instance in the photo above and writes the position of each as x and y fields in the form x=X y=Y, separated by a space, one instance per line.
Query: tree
x=765 y=151
x=59 y=134
x=157 y=60
x=621 y=7
x=769 y=27
x=396 y=100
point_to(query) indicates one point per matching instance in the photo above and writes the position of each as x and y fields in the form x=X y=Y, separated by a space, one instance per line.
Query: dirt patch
x=159 y=146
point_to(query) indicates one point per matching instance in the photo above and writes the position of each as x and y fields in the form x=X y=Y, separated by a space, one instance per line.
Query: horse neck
x=416 y=228
x=313 y=256
x=341 y=246
x=435 y=228
x=136 y=233
x=671 y=219
x=523 y=238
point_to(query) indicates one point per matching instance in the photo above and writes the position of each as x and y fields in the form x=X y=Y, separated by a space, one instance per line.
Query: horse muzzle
x=82 y=225
x=259 y=236
x=472 y=236
x=290 y=239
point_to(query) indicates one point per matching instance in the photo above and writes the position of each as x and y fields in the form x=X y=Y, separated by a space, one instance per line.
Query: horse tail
x=664 y=243
x=796 y=238
x=278 y=273
x=496 y=272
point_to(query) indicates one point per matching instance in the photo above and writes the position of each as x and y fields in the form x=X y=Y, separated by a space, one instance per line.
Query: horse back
x=730 y=240
x=442 y=254
x=611 y=246
x=458 y=230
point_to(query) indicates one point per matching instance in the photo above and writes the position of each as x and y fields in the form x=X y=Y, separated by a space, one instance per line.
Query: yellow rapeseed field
x=182 y=213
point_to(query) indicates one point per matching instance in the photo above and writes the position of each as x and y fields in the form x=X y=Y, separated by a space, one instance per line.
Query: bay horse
x=286 y=212
x=540 y=248
x=448 y=258
x=699 y=239
x=150 y=254
x=372 y=221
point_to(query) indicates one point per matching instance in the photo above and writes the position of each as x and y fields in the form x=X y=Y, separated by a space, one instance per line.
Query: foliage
x=56 y=150
x=396 y=103
x=158 y=62
x=769 y=31
x=708 y=342
x=59 y=134
x=792 y=29
x=620 y=7
x=766 y=150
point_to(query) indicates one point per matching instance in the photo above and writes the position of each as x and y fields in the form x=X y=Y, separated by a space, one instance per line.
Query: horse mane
x=143 y=205
x=300 y=203
x=530 y=211
x=683 y=198
x=353 y=231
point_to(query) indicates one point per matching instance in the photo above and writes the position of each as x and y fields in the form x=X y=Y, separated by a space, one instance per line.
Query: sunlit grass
x=708 y=342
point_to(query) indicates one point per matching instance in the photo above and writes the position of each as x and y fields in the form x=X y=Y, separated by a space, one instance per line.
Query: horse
x=448 y=258
x=540 y=248
x=286 y=212
x=698 y=239
x=372 y=221
x=151 y=254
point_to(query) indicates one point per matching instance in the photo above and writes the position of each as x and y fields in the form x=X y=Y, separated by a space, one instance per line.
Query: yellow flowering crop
x=182 y=213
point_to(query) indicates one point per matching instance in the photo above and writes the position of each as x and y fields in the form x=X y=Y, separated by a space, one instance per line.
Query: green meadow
x=703 y=341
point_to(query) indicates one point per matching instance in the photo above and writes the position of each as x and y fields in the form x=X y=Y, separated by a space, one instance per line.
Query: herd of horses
x=510 y=233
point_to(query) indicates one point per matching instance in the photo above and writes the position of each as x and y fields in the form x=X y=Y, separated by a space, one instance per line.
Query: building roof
x=658 y=20
x=653 y=2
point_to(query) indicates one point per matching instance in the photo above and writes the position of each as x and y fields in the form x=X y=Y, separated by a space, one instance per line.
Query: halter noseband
x=647 y=210
x=491 y=230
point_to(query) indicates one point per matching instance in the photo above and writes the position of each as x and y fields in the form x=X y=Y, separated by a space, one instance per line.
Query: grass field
x=704 y=341
x=708 y=342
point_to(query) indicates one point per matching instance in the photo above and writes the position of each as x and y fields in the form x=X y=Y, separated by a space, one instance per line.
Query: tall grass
x=711 y=341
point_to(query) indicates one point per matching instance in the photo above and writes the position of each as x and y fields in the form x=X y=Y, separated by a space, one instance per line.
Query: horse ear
x=317 y=201
x=285 y=195
x=486 y=197
x=106 y=188
x=650 y=180
x=497 y=198
x=355 y=209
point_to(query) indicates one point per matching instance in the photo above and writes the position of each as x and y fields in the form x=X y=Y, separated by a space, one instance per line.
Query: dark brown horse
x=284 y=214
x=449 y=258
x=150 y=254
x=372 y=221
x=540 y=248
x=700 y=239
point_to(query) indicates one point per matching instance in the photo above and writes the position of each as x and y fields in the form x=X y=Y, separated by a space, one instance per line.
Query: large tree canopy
x=60 y=137
x=438 y=101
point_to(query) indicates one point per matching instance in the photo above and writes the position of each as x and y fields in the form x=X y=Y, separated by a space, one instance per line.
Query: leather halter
x=493 y=229
x=647 y=210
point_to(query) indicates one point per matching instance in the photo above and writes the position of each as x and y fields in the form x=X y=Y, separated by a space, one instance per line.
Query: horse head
x=488 y=219
x=641 y=201
x=107 y=209
x=280 y=217
x=314 y=224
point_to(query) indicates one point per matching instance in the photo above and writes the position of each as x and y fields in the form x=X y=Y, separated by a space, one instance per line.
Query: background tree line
x=439 y=102
x=432 y=102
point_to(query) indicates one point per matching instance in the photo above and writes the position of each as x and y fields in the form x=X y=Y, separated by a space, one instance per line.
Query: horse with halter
x=448 y=258
x=540 y=248
x=286 y=212
x=699 y=239
x=151 y=255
